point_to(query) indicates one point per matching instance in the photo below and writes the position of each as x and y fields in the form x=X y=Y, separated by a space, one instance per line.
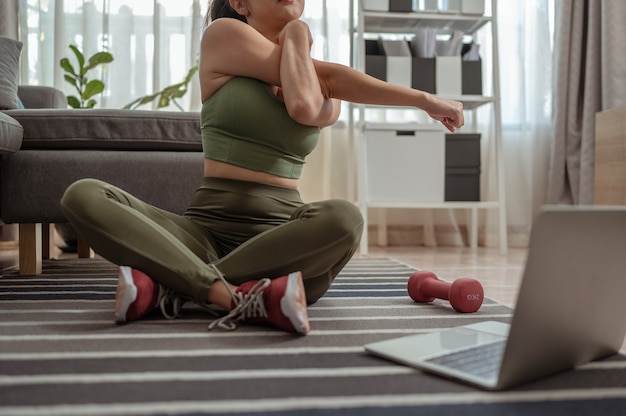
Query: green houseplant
x=167 y=95
x=77 y=77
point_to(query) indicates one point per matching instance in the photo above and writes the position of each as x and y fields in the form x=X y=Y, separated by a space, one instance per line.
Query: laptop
x=570 y=308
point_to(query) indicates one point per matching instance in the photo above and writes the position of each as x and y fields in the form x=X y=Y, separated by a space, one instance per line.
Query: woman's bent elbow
x=304 y=112
x=312 y=114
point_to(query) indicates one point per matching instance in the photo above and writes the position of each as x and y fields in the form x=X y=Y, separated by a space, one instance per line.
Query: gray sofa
x=156 y=155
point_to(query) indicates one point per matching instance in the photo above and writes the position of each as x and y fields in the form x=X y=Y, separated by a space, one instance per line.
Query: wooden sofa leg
x=30 y=250
x=84 y=251
x=47 y=241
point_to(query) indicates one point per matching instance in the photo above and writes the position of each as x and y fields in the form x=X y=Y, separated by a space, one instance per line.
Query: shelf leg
x=382 y=227
x=365 y=235
x=474 y=228
x=503 y=231
x=429 y=229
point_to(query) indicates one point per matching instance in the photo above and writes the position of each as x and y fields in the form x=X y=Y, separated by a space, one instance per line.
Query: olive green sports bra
x=245 y=124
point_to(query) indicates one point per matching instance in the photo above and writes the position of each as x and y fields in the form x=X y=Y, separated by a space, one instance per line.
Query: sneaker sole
x=293 y=303
x=126 y=293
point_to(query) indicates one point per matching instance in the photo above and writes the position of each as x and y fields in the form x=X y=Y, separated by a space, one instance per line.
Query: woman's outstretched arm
x=348 y=84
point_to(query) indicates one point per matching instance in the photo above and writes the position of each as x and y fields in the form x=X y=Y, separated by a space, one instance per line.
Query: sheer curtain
x=154 y=44
x=526 y=49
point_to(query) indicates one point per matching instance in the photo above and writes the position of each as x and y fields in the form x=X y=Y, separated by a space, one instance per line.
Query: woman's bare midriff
x=215 y=169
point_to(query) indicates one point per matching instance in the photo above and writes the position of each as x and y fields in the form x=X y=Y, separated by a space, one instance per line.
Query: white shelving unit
x=376 y=23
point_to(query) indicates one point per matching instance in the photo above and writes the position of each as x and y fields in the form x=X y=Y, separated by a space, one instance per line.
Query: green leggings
x=247 y=230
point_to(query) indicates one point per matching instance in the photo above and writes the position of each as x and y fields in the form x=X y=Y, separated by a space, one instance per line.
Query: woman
x=247 y=243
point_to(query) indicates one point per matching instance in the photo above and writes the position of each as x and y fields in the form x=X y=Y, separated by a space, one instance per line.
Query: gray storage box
x=424 y=72
x=471 y=78
x=401 y=5
x=462 y=184
x=463 y=150
x=375 y=60
x=389 y=5
x=462 y=181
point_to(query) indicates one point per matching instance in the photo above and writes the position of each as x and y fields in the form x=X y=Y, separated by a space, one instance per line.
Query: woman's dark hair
x=221 y=8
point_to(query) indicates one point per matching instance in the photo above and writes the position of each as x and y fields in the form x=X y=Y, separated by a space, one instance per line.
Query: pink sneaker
x=280 y=303
x=137 y=295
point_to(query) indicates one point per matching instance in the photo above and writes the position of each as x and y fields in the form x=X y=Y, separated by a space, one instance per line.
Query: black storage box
x=375 y=60
x=388 y=5
x=471 y=78
x=462 y=181
x=400 y=5
x=424 y=71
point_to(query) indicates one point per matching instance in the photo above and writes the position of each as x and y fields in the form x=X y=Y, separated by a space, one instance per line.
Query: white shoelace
x=171 y=303
x=250 y=305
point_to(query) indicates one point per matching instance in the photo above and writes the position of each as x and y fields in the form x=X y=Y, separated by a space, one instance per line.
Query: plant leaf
x=176 y=92
x=73 y=101
x=67 y=66
x=99 y=58
x=163 y=102
x=92 y=88
x=71 y=80
x=168 y=94
x=79 y=56
x=140 y=101
x=190 y=74
x=90 y=104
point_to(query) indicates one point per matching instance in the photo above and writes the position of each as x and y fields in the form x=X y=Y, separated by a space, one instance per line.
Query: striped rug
x=60 y=354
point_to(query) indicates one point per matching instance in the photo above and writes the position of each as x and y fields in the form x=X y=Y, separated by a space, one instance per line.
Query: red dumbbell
x=465 y=295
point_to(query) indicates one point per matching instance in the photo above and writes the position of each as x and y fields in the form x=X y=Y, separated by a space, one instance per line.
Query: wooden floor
x=499 y=274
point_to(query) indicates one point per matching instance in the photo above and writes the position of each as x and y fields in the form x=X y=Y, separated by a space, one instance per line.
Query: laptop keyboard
x=482 y=361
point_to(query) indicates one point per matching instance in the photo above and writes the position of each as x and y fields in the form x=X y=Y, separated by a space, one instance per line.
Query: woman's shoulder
x=224 y=29
x=233 y=48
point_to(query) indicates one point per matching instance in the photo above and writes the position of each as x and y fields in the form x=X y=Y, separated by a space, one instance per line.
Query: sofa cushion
x=10 y=134
x=33 y=181
x=10 y=50
x=109 y=129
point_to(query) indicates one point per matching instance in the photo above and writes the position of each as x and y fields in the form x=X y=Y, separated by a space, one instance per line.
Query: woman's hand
x=448 y=112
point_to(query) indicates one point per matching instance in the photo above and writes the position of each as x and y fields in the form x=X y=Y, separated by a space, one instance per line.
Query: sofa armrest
x=34 y=96
x=11 y=133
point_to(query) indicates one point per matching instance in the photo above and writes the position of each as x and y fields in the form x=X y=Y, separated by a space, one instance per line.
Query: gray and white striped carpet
x=60 y=354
